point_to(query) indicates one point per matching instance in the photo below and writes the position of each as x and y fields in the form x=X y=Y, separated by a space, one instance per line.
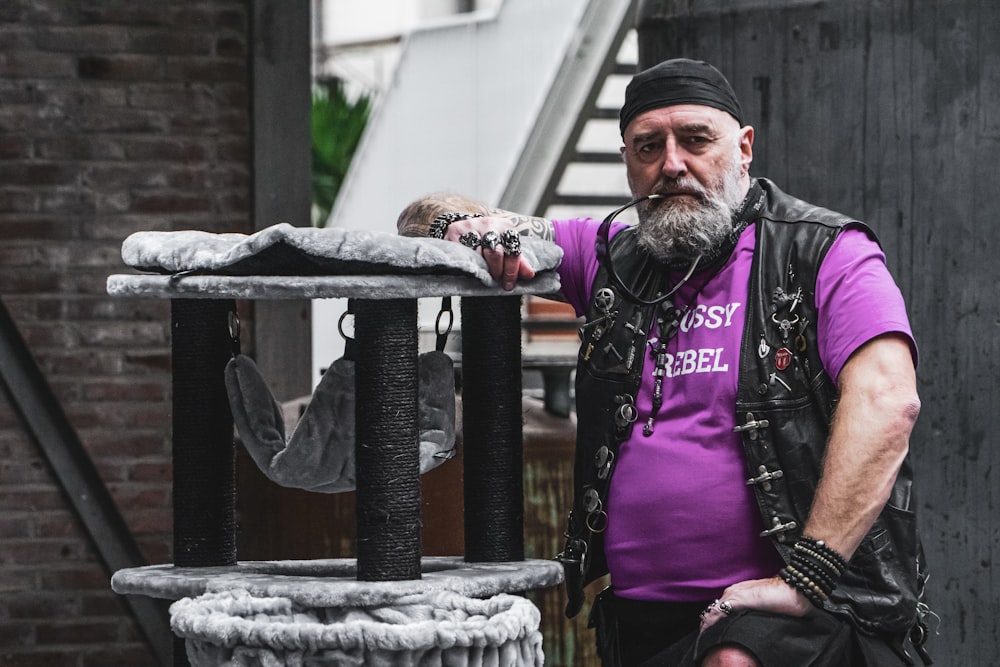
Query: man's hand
x=506 y=269
x=772 y=595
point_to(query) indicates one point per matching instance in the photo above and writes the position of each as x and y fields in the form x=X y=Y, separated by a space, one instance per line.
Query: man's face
x=698 y=159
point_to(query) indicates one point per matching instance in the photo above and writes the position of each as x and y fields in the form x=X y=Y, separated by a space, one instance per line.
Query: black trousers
x=636 y=633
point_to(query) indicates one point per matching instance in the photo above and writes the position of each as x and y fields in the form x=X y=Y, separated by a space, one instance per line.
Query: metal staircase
x=589 y=178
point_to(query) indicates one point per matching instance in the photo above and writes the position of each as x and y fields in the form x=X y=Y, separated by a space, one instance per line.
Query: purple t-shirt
x=682 y=523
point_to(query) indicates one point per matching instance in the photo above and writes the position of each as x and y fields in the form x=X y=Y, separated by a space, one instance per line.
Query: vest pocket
x=880 y=588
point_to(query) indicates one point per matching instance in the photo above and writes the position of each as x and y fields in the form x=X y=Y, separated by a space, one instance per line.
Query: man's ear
x=746 y=147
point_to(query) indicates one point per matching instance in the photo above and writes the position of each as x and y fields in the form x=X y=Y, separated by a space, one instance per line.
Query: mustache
x=692 y=189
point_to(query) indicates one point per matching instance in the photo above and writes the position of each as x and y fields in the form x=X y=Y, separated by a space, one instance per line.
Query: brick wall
x=115 y=116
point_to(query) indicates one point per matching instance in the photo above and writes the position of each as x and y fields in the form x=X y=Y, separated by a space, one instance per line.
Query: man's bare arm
x=506 y=269
x=417 y=217
x=527 y=225
x=868 y=441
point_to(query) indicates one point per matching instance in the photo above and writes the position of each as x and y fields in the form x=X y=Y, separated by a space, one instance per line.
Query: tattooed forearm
x=527 y=225
x=417 y=217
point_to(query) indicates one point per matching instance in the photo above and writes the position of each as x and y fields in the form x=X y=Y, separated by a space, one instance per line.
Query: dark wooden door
x=890 y=111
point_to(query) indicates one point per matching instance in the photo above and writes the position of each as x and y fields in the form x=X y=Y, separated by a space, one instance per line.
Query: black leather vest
x=783 y=425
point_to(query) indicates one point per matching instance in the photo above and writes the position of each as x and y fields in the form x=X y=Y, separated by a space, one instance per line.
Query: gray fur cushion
x=305 y=251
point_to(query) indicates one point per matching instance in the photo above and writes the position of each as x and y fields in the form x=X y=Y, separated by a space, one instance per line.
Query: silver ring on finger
x=490 y=240
x=469 y=240
x=511 y=242
x=726 y=607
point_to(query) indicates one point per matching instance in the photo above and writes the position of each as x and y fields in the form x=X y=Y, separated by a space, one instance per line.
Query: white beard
x=683 y=229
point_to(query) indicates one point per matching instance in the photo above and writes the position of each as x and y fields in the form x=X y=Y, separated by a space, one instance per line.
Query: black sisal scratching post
x=203 y=453
x=204 y=458
x=387 y=448
x=492 y=435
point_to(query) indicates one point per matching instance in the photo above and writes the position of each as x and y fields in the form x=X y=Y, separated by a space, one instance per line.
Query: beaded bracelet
x=818 y=550
x=439 y=226
x=814 y=569
x=800 y=582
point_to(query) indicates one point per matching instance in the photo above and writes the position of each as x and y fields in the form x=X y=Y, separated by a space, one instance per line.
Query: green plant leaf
x=337 y=126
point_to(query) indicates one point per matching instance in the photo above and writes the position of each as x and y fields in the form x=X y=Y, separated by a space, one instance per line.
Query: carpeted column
x=204 y=459
x=492 y=429
x=203 y=450
x=387 y=448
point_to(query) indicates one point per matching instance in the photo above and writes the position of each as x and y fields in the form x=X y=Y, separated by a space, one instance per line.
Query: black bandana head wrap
x=679 y=81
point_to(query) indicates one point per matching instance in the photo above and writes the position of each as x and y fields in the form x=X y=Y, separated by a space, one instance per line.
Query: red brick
x=79 y=362
x=16 y=37
x=232 y=96
x=228 y=47
x=126 y=334
x=16 y=635
x=120 y=67
x=122 y=120
x=131 y=654
x=74 y=200
x=106 y=308
x=37 y=173
x=73 y=631
x=151 y=521
x=28 y=280
x=74 y=579
x=170 y=41
x=23 y=472
x=17 y=199
x=122 y=175
x=170 y=203
x=31 y=499
x=59 y=524
x=102 y=603
x=167 y=149
x=53 y=12
x=130 y=496
x=124 y=13
x=14 y=579
x=26 y=64
x=36 y=604
x=49 y=335
x=37 y=227
x=156 y=549
x=15 y=92
x=208 y=18
x=82 y=38
x=233 y=150
x=68 y=96
x=15 y=146
x=205 y=69
x=178 y=95
x=234 y=202
x=38 y=658
x=103 y=443
x=25 y=118
x=124 y=389
x=14 y=526
x=88 y=147
x=153 y=471
x=148 y=360
x=45 y=552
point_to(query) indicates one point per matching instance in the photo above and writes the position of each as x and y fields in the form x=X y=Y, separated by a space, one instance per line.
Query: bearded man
x=745 y=395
